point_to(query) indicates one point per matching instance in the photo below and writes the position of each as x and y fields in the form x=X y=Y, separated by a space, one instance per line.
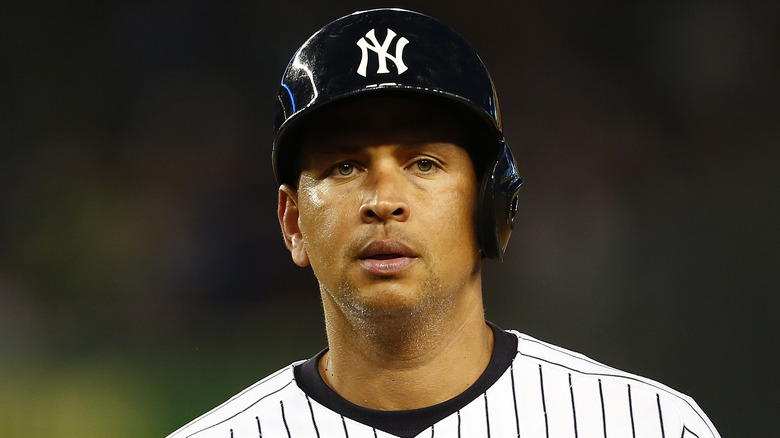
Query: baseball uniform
x=530 y=389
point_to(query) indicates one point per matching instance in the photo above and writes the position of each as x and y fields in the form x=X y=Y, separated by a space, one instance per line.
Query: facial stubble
x=395 y=320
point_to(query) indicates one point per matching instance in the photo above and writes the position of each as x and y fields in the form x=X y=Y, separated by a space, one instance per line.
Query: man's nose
x=385 y=199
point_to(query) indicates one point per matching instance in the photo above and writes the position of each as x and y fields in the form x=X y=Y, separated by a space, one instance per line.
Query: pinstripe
x=631 y=412
x=432 y=429
x=544 y=403
x=514 y=397
x=487 y=415
x=603 y=411
x=313 y=421
x=573 y=408
x=231 y=433
x=458 y=423
x=660 y=415
x=284 y=419
x=259 y=430
x=344 y=423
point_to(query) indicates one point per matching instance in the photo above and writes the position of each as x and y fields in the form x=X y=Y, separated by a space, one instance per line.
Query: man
x=395 y=182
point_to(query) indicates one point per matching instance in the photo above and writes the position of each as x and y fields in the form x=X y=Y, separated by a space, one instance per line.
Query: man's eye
x=345 y=169
x=425 y=165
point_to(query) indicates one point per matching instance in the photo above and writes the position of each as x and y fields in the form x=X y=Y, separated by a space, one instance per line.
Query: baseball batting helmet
x=396 y=50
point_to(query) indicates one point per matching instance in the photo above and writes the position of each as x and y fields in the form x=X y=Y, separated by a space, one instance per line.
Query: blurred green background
x=143 y=279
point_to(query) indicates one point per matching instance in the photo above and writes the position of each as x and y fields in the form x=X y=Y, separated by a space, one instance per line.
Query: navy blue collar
x=409 y=423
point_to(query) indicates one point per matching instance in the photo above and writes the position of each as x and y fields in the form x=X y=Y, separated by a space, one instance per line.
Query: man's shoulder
x=534 y=349
x=267 y=391
x=552 y=357
x=576 y=375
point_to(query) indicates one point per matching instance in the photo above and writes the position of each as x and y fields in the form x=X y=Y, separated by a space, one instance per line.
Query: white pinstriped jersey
x=541 y=391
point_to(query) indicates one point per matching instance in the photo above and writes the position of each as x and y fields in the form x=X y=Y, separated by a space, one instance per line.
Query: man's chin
x=381 y=305
x=387 y=304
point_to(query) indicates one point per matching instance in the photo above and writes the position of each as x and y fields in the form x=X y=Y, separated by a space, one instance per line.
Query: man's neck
x=400 y=364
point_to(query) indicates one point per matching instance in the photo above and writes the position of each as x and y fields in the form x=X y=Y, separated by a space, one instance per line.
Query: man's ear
x=288 y=220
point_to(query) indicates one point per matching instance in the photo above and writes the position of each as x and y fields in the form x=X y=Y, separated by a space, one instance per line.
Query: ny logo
x=382 y=52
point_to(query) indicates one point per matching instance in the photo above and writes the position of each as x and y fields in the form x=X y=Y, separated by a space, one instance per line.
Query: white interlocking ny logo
x=382 y=52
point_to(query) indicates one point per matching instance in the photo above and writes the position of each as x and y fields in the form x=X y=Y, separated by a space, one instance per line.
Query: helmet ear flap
x=498 y=203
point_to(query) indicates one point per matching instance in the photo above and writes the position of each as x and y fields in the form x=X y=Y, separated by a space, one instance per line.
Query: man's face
x=385 y=206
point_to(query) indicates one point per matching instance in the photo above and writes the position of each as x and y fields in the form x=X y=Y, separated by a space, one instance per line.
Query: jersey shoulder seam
x=226 y=405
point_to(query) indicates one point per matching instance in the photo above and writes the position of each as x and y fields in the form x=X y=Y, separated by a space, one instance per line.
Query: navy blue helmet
x=395 y=50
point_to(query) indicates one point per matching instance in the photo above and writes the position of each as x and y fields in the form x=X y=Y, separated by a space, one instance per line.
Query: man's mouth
x=386 y=257
x=386 y=249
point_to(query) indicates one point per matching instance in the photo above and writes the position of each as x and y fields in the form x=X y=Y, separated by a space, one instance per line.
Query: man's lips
x=386 y=249
x=386 y=257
